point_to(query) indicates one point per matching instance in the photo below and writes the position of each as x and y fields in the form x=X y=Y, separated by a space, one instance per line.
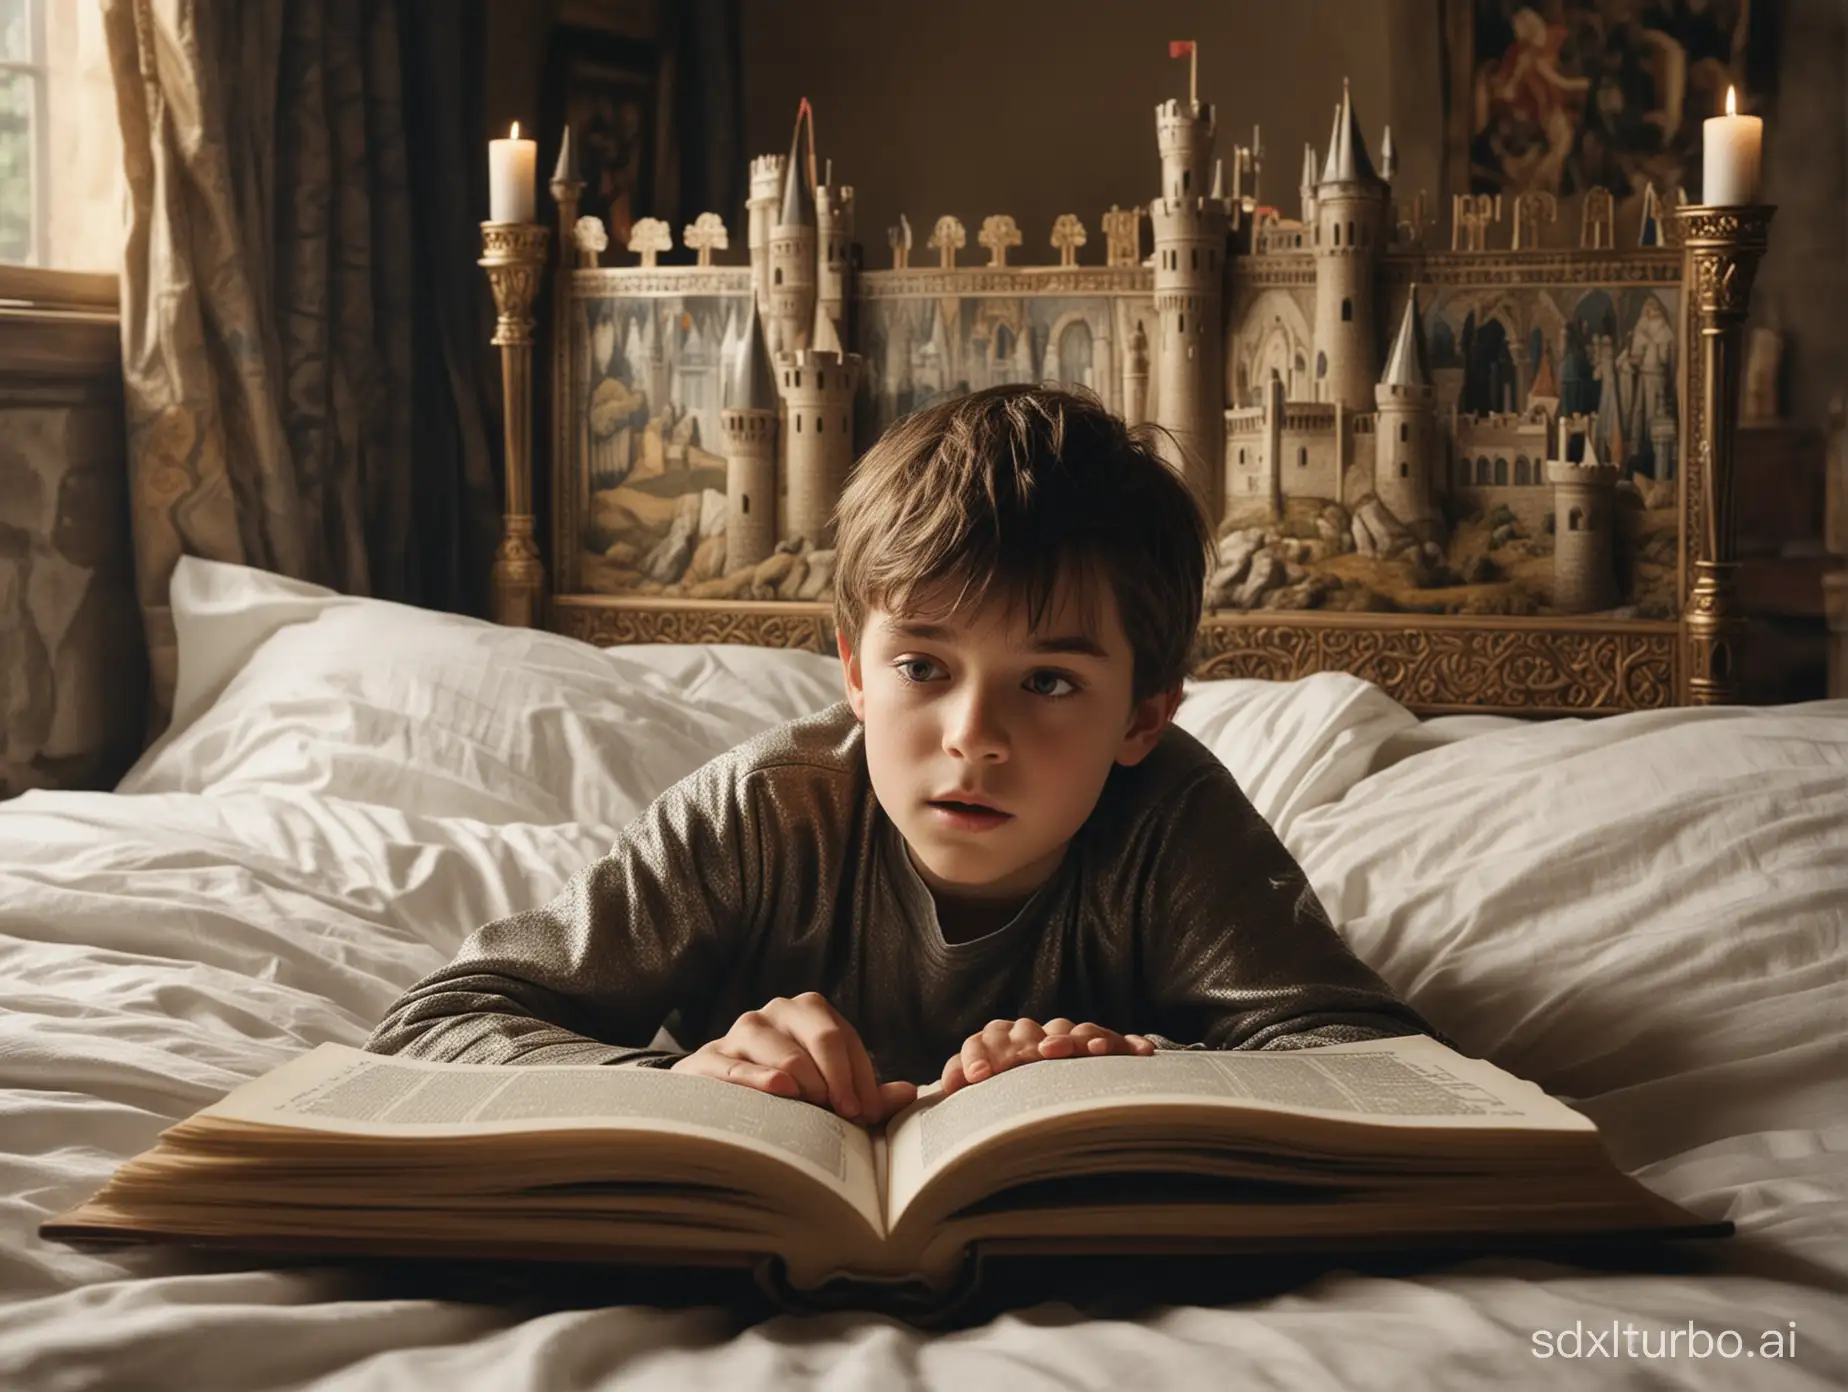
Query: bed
x=1644 y=913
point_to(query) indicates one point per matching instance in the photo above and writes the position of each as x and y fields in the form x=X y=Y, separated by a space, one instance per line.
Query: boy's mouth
x=969 y=813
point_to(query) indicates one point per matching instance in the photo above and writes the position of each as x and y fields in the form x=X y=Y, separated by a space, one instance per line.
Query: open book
x=1397 y=1143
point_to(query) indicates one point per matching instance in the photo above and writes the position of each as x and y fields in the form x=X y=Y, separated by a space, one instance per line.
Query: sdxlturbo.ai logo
x=1627 y=1341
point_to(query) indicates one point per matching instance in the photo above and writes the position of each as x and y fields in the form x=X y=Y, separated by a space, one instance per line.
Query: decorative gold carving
x=999 y=232
x=1722 y=247
x=513 y=255
x=1597 y=220
x=1531 y=209
x=1471 y=216
x=606 y=622
x=608 y=282
x=946 y=239
x=648 y=238
x=1529 y=669
x=1122 y=236
x=933 y=282
x=1068 y=235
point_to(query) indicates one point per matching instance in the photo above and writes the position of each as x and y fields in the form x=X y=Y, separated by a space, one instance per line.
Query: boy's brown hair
x=1003 y=490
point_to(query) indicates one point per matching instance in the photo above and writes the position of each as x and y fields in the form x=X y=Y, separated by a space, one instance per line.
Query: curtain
x=301 y=310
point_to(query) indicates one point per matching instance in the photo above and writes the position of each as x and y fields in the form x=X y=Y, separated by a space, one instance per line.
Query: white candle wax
x=1731 y=150
x=510 y=178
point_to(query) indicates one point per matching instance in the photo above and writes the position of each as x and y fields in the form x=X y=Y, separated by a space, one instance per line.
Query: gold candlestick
x=1723 y=246
x=514 y=255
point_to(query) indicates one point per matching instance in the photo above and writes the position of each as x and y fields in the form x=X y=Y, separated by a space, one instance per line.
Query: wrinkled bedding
x=1644 y=914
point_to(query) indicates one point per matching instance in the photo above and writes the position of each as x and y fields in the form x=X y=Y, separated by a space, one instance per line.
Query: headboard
x=1490 y=475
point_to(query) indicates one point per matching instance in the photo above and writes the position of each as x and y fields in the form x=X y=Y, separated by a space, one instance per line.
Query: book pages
x=346 y=1091
x=1413 y=1082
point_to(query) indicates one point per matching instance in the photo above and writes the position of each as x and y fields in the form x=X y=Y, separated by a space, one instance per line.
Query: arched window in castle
x=1573 y=519
x=1501 y=471
x=818 y=423
x=1241 y=456
x=1302 y=456
x=1405 y=470
x=821 y=379
x=798 y=425
x=1337 y=234
x=1186 y=179
x=1183 y=324
x=747 y=503
x=1350 y=234
x=1321 y=364
x=1482 y=471
x=1347 y=311
x=1405 y=431
x=1193 y=259
x=1520 y=471
x=779 y=276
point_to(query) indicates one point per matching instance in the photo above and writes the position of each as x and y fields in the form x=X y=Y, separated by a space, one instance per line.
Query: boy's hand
x=801 y=1048
x=1005 y=1043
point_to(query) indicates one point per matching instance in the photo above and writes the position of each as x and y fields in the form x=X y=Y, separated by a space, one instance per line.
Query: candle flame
x=1732 y=102
x=514 y=134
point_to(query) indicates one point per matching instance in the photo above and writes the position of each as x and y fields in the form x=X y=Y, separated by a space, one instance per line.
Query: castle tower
x=750 y=420
x=766 y=197
x=1136 y=378
x=1584 y=518
x=1406 y=439
x=1349 y=201
x=1190 y=251
x=1307 y=186
x=834 y=236
x=791 y=320
x=818 y=385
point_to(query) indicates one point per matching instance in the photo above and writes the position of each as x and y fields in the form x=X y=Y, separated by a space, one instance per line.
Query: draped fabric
x=301 y=312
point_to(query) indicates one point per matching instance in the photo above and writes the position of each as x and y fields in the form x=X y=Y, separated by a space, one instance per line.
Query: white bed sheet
x=159 y=948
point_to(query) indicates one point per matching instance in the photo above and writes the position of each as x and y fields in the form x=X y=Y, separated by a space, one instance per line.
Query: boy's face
x=976 y=707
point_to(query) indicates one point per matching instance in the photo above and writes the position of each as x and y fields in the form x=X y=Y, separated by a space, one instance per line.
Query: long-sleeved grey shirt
x=772 y=870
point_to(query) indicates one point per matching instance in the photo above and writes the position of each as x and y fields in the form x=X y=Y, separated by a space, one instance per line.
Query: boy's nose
x=974 y=731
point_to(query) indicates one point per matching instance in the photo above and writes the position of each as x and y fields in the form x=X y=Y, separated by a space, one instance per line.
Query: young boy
x=997 y=849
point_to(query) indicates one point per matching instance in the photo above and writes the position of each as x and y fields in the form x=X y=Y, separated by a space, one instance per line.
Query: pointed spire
x=1219 y=181
x=1309 y=173
x=826 y=338
x=1405 y=367
x=1347 y=161
x=752 y=386
x=1389 y=157
x=566 y=171
x=798 y=198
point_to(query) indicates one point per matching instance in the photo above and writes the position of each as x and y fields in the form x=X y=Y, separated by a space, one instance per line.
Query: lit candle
x=510 y=178
x=1731 y=148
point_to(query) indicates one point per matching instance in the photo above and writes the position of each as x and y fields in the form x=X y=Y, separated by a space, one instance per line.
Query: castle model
x=1523 y=463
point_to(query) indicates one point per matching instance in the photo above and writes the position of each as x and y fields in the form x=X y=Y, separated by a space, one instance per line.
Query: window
x=1241 y=456
x=1350 y=234
x=1302 y=456
x=1347 y=311
x=821 y=379
x=1193 y=259
x=1501 y=471
x=1573 y=519
x=1337 y=234
x=1405 y=470
x=798 y=425
x=1482 y=472
x=1321 y=364
x=1183 y=323
x=1405 y=431
x=60 y=147
x=776 y=272
x=1520 y=470
x=818 y=421
x=746 y=509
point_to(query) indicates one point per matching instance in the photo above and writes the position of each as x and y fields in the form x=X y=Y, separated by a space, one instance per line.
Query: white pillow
x=287 y=684
x=283 y=683
x=1297 y=745
x=1646 y=912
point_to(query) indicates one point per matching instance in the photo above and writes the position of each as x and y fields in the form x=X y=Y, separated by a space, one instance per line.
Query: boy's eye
x=1033 y=684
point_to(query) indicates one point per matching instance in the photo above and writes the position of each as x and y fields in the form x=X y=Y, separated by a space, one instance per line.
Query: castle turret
x=1307 y=187
x=750 y=420
x=766 y=197
x=1584 y=507
x=834 y=236
x=1405 y=443
x=1136 y=377
x=1349 y=201
x=818 y=385
x=1190 y=250
x=791 y=321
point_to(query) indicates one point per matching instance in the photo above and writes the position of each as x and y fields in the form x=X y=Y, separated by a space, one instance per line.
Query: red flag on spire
x=1180 y=48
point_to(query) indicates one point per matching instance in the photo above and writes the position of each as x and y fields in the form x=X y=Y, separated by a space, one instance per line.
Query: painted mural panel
x=1536 y=474
x=648 y=450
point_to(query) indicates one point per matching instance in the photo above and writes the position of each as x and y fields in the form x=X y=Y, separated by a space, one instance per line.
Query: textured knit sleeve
x=591 y=976
x=1236 y=950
